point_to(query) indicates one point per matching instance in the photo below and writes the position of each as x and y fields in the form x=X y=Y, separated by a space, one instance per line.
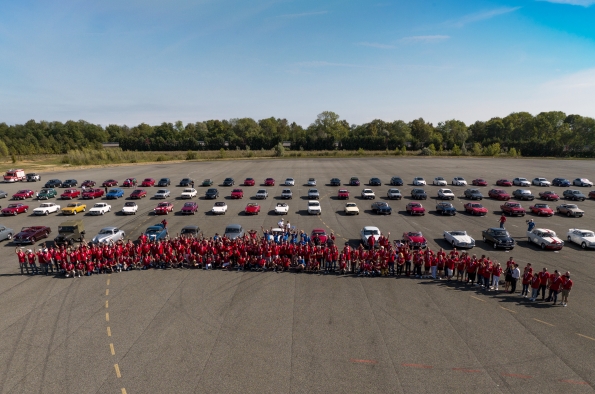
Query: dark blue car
x=560 y=182
x=156 y=232
x=114 y=194
x=446 y=208
x=381 y=208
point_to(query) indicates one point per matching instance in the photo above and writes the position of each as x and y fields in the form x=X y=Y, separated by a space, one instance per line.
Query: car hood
x=463 y=238
x=102 y=237
x=417 y=239
x=552 y=240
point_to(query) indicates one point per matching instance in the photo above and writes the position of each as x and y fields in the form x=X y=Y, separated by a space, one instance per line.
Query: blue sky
x=134 y=61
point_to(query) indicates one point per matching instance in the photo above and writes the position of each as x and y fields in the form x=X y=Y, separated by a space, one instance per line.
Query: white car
x=162 y=193
x=446 y=194
x=313 y=193
x=220 y=208
x=314 y=207
x=351 y=209
x=541 y=182
x=369 y=231
x=261 y=194
x=289 y=182
x=189 y=193
x=311 y=182
x=585 y=238
x=108 y=234
x=582 y=182
x=439 y=181
x=100 y=209
x=368 y=194
x=459 y=239
x=287 y=193
x=419 y=181
x=46 y=208
x=545 y=238
x=129 y=208
x=394 y=194
x=521 y=182
x=281 y=208
x=459 y=181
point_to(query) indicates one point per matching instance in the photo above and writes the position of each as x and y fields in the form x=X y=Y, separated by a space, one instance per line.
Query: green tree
x=421 y=131
x=3 y=149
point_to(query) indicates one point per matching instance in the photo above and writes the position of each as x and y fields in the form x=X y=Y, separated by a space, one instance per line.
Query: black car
x=228 y=182
x=473 y=194
x=560 y=182
x=70 y=183
x=335 y=182
x=212 y=193
x=163 y=182
x=53 y=183
x=419 y=194
x=186 y=182
x=446 y=208
x=374 y=182
x=499 y=237
x=381 y=208
x=354 y=181
x=573 y=195
x=396 y=181
x=33 y=177
x=190 y=231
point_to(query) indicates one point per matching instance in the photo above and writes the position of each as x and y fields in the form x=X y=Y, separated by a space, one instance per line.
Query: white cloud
x=303 y=14
x=480 y=16
x=375 y=45
x=424 y=39
x=583 y=3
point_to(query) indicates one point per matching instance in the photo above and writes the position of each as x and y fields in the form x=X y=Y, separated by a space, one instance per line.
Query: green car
x=46 y=194
x=207 y=182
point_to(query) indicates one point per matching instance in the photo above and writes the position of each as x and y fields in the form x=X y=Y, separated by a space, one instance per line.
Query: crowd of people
x=286 y=249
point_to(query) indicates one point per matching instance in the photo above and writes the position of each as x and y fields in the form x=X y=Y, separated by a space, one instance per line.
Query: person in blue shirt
x=531 y=225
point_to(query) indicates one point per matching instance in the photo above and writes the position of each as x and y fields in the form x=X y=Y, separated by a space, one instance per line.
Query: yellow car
x=74 y=208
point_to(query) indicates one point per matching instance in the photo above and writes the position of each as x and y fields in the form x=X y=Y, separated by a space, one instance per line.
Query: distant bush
x=191 y=155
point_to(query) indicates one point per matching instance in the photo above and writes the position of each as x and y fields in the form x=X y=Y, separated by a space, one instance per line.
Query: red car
x=237 y=193
x=592 y=194
x=475 y=208
x=415 y=208
x=321 y=233
x=70 y=194
x=249 y=182
x=549 y=196
x=415 y=239
x=130 y=182
x=343 y=194
x=189 y=208
x=499 y=194
x=14 y=209
x=252 y=208
x=148 y=182
x=269 y=182
x=138 y=193
x=30 y=235
x=503 y=182
x=163 y=208
x=512 y=209
x=479 y=182
x=93 y=194
x=88 y=183
x=541 y=210
x=110 y=183
x=22 y=194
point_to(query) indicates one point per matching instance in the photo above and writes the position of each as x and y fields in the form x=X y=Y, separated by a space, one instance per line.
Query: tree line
x=546 y=134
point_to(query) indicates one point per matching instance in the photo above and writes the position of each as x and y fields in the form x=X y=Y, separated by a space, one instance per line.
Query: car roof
x=110 y=228
x=370 y=228
x=233 y=226
x=192 y=227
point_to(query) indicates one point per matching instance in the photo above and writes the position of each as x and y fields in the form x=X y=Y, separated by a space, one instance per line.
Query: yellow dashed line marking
x=106 y=292
x=106 y=304
x=111 y=348
x=509 y=310
x=117 y=370
x=584 y=336
x=541 y=321
x=123 y=391
x=108 y=281
x=106 y=316
x=479 y=299
x=109 y=332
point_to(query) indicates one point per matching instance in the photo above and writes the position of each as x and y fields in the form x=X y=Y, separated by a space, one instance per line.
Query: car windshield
x=342 y=191
x=230 y=230
x=220 y=204
x=148 y=179
x=439 y=178
x=371 y=232
x=313 y=191
x=163 y=180
x=588 y=235
x=286 y=191
x=153 y=230
x=540 y=206
x=458 y=233
x=113 y=191
x=12 y=206
x=514 y=205
x=22 y=191
x=130 y=204
x=161 y=191
x=415 y=234
x=137 y=191
x=367 y=191
x=394 y=191
x=281 y=204
x=212 y=191
x=351 y=204
x=414 y=204
x=446 y=191
x=262 y=191
x=163 y=204
x=237 y=190
x=98 y=205
x=47 y=204
x=549 y=234
x=313 y=204
x=71 y=205
x=571 y=206
x=67 y=229
x=106 y=231
x=501 y=233
x=318 y=232
x=188 y=190
x=44 y=191
x=187 y=230
x=189 y=204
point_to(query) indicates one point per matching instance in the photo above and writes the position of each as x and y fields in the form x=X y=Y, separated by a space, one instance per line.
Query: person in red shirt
x=555 y=285
x=31 y=257
x=544 y=278
x=502 y=220
x=535 y=284
x=566 y=287
x=526 y=281
x=22 y=260
x=496 y=272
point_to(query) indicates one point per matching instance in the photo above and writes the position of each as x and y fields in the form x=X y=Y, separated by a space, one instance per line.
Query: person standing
x=535 y=285
x=515 y=275
x=502 y=220
x=566 y=287
x=544 y=278
x=530 y=225
x=555 y=285
x=496 y=272
x=527 y=276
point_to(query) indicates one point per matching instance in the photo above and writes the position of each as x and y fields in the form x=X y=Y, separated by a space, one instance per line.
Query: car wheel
x=484 y=238
x=71 y=242
x=9 y=236
x=102 y=213
x=46 y=213
x=543 y=246
x=453 y=243
x=568 y=214
x=584 y=245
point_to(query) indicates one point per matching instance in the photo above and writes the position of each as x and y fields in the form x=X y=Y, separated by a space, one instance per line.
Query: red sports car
x=163 y=208
x=269 y=182
x=110 y=183
x=70 y=194
x=541 y=210
x=148 y=182
x=14 y=209
x=30 y=235
x=252 y=208
x=343 y=194
x=475 y=208
x=415 y=208
x=321 y=234
x=189 y=208
x=249 y=182
x=22 y=194
x=592 y=194
x=549 y=196
x=503 y=182
x=237 y=193
x=499 y=194
x=513 y=209
x=93 y=194
x=138 y=193
x=88 y=183
x=130 y=182
x=479 y=182
x=415 y=239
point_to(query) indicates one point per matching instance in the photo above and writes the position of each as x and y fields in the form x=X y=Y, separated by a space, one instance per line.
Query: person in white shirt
x=516 y=274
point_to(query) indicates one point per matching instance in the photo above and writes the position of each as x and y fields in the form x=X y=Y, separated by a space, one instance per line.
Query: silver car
x=6 y=233
x=233 y=231
x=108 y=234
x=162 y=193
x=313 y=194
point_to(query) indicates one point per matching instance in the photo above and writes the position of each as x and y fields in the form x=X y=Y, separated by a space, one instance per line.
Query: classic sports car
x=14 y=209
x=92 y=194
x=479 y=182
x=110 y=183
x=499 y=237
x=252 y=208
x=354 y=181
x=237 y=193
x=499 y=194
x=335 y=182
x=560 y=182
x=114 y=194
x=582 y=182
x=229 y=182
x=574 y=195
x=108 y=234
x=439 y=181
x=46 y=194
x=53 y=183
x=164 y=182
x=541 y=210
x=46 y=208
x=70 y=183
x=287 y=193
x=396 y=181
x=381 y=208
x=320 y=233
x=541 y=182
x=3 y=194
x=523 y=194
x=148 y=182
x=73 y=208
x=70 y=194
x=207 y=182
x=570 y=210
x=261 y=194
x=281 y=208
x=129 y=208
x=415 y=208
x=156 y=232
x=459 y=239
x=475 y=208
x=138 y=193
x=549 y=195
x=249 y=182
x=446 y=208
x=545 y=238
x=188 y=193
x=269 y=182
x=30 y=235
x=419 y=181
x=521 y=182
x=419 y=194
x=314 y=207
x=368 y=194
x=190 y=230
x=351 y=208
x=162 y=193
x=185 y=182
x=5 y=233
x=394 y=194
x=343 y=194
x=313 y=194
x=512 y=208
x=503 y=182
x=129 y=182
x=459 y=181
x=189 y=208
x=289 y=182
x=100 y=208
x=211 y=193
x=415 y=240
x=367 y=232
x=23 y=194
x=311 y=182
x=220 y=208
x=446 y=194
x=584 y=238
x=88 y=183
x=163 y=208
x=473 y=194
